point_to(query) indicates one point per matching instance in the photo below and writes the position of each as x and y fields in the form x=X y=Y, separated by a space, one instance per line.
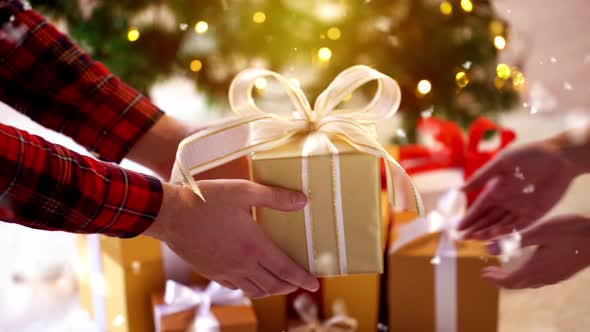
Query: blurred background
x=524 y=63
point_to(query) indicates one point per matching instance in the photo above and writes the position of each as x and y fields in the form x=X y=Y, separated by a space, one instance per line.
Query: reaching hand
x=522 y=185
x=563 y=250
x=220 y=239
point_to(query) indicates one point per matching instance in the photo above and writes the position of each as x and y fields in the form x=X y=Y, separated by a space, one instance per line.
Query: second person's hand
x=520 y=186
x=221 y=240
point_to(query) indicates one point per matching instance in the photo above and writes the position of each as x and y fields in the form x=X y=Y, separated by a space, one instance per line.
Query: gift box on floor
x=116 y=278
x=213 y=308
x=434 y=282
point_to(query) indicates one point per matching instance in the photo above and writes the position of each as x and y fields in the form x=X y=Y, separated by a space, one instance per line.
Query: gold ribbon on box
x=255 y=130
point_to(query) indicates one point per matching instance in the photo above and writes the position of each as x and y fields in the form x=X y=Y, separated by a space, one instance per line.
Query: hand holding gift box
x=330 y=154
x=212 y=309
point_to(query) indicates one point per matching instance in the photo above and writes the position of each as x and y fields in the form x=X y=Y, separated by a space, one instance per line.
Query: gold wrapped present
x=213 y=308
x=116 y=279
x=330 y=154
x=434 y=282
x=352 y=239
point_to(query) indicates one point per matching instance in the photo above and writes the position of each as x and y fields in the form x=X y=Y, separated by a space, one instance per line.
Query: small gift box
x=214 y=308
x=434 y=281
x=116 y=278
x=309 y=318
x=330 y=154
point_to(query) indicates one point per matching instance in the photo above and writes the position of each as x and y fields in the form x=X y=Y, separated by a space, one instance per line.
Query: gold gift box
x=131 y=270
x=360 y=190
x=411 y=290
x=231 y=318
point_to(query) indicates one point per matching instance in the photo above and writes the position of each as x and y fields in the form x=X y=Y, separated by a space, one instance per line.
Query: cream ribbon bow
x=179 y=297
x=256 y=130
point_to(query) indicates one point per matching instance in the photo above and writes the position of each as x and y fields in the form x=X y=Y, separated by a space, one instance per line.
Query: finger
x=522 y=277
x=249 y=288
x=492 y=169
x=227 y=284
x=498 y=228
x=271 y=284
x=536 y=236
x=275 y=198
x=485 y=222
x=505 y=226
x=284 y=268
x=482 y=204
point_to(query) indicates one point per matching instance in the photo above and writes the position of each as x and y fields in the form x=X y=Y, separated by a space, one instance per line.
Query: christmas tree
x=444 y=54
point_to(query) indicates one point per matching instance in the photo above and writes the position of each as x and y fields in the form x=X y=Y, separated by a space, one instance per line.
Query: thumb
x=275 y=198
x=490 y=170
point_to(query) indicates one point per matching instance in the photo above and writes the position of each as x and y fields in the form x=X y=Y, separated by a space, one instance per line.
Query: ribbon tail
x=445 y=279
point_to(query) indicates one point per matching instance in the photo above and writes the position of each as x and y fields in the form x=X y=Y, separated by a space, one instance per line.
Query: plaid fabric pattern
x=46 y=186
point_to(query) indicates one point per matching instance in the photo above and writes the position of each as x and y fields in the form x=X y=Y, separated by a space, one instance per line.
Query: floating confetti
x=427 y=113
x=510 y=246
x=553 y=59
x=183 y=26
x=529 y=189
x=518 y=173
x=467 y=65
x=576 y=252
x=567 y=86
x=435 y=260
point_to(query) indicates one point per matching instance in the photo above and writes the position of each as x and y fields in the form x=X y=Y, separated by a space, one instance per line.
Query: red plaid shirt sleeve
x=48 y=78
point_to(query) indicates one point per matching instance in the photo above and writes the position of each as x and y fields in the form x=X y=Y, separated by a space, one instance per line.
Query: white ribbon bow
x=179 y=297
x=256 y=130
x=307 y=310
x=450 y=210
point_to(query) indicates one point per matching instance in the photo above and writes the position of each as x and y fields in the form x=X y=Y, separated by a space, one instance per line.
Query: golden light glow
x=325 y=54
x=259 y=17
x=503 y=71
x=518 y=79
x=467 y=6
x=334 y=33
x=133 y=34
x=446 y=8
x=261 y=83
x=196 y=65
x=462 y=79
x=424 y=87
x=500 y=42
x=496 y=27
x=201 y=27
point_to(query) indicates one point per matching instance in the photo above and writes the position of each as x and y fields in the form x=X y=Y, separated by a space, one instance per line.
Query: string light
x=259 y=17
x=496 y=27
x=201 y=27
x=462 y=79
x=133 y=34
x=503 y=71
x=500 y=42
x=334 y=33
x=261 y=83
x=518 y=79
x=467 y=6
x=325 y=54
x=446 y=8
x=424 y=87
x=196 y=65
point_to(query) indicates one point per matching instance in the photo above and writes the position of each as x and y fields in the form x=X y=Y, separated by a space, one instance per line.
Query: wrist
x=161 y=225
x=157 y=148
